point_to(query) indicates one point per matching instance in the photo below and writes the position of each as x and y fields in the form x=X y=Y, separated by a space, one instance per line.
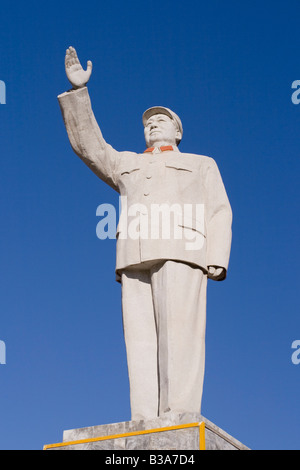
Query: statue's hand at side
x=216 y=273
x=75 y=73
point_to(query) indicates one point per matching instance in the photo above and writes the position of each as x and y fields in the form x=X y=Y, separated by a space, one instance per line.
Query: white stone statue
x=164 y=278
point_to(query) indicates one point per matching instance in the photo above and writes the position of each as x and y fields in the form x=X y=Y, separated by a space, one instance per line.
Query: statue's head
x=161 y=127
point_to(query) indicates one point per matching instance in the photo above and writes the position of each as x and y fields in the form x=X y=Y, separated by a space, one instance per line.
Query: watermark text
x=2 y=352
x=2 y=92
x=296 y=94
x=153 y=222
x=296 y=354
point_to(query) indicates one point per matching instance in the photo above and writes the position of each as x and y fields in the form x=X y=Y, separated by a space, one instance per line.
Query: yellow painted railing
x=201 y=427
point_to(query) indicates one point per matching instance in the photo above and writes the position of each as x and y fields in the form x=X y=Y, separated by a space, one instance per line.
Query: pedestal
x=179 y=432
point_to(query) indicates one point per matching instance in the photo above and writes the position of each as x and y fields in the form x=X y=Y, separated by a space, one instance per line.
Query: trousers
x=164 y=321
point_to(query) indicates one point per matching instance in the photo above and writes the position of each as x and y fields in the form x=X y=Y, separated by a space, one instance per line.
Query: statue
x=163 y=278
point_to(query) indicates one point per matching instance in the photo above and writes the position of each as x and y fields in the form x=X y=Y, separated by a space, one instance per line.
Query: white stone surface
x=164 y=279
x=179 y=439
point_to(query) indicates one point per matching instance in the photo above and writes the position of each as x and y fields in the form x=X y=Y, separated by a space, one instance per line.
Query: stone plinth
x=180 y=432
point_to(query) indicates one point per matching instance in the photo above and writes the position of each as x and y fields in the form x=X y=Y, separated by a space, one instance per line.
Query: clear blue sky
x=226 y=68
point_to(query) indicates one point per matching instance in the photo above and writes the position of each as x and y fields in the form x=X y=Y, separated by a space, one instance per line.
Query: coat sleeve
x=85 y=135
x=218 y=216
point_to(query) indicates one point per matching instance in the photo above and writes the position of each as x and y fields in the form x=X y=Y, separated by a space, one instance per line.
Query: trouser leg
x=179 y=296
x=141 y=343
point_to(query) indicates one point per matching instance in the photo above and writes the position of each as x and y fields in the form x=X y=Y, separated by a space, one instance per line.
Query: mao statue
x=163 y=267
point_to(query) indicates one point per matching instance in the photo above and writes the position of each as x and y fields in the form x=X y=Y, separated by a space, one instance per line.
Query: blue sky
x=226 y=68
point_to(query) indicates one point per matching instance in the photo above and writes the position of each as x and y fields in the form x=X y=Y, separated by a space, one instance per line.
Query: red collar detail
x=163 y=148
x=150 y=149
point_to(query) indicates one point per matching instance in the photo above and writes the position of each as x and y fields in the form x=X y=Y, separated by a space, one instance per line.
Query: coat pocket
x=197 y=225
x=180 y=174
x=128 y=175
x=128 y=171
x=179 y=165
x=193 y=233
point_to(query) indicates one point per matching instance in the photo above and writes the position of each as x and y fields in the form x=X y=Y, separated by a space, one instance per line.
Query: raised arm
x=83 y=131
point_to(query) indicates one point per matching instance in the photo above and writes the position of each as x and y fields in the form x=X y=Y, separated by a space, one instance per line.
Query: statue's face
x=160 y=130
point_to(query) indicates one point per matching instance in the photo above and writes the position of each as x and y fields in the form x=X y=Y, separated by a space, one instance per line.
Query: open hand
x=75 y=73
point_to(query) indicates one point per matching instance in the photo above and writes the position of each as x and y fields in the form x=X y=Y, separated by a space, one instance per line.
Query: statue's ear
x=178 y=136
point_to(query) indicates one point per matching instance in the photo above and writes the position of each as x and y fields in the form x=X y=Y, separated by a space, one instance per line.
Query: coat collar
x=163 y=148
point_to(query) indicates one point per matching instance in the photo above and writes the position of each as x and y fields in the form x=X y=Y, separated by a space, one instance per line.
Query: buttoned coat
x=161 y=180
